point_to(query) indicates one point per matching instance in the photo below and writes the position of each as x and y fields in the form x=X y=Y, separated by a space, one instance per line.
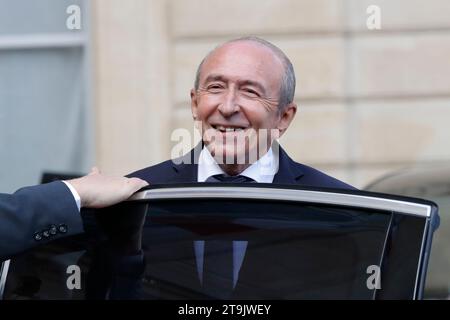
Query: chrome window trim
x=419 y=265
x=321 y=197
x=3 y=273
x=380 y=264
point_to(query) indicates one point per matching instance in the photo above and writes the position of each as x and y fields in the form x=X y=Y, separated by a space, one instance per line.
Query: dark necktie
x=223 y=178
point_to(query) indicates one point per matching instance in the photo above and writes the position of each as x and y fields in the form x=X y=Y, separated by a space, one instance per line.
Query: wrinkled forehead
x=244 y=61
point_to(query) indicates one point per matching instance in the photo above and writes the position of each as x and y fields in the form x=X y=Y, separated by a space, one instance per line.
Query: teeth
x=227 y=129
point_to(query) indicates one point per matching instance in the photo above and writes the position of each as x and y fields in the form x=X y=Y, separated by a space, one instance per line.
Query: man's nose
x=229 y=105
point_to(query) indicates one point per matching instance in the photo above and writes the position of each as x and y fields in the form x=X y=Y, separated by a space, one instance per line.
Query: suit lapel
x=185 y=169
x=288 y=172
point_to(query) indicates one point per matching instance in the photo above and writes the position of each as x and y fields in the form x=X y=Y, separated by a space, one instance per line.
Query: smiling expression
x=237 y=100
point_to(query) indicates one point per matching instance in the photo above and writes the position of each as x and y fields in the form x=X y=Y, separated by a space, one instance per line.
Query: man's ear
x=194 y=103
x=286 y=116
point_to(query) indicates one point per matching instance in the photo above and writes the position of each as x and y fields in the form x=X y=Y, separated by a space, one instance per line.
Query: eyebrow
x=218 y=77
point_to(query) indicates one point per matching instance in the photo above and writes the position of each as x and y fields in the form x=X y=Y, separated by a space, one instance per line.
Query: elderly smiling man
x=242 y=102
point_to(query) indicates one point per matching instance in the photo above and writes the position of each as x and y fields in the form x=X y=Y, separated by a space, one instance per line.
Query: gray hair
x=287 y=88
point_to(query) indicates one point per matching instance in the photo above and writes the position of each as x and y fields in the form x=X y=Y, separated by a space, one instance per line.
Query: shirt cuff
x=75 y=194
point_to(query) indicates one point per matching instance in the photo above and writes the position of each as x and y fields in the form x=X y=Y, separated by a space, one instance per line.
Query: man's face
x=237 y=101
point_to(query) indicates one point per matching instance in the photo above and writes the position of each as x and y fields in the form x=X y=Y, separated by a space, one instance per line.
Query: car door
x=286 y=242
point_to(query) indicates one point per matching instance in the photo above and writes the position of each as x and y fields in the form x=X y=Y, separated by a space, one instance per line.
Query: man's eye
x=215 y=87
x=251 y=92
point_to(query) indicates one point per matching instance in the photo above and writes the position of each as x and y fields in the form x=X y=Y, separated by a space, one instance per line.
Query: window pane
x=308 y=252
x=34 y=16
x=43 y=119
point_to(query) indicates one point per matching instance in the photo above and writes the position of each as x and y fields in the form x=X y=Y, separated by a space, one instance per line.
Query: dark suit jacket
x=184 y=170
x=32 y=210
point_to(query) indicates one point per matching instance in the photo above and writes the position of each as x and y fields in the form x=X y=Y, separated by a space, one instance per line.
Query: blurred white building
x=371 y=101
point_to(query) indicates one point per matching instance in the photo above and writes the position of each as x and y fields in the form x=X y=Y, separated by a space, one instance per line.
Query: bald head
x=287 y=83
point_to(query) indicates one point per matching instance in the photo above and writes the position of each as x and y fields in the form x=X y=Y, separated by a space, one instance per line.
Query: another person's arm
x=38 y=214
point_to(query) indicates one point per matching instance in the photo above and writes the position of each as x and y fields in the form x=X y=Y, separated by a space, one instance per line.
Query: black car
x=430 y=183
x=287 y=242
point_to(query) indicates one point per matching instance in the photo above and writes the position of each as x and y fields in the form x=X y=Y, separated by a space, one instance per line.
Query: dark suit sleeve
x=26 y=215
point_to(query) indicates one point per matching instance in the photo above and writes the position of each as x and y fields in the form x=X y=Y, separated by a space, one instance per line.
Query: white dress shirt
x=262 y=171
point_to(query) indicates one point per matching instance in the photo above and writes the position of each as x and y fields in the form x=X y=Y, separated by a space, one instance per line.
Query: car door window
x=287 y=243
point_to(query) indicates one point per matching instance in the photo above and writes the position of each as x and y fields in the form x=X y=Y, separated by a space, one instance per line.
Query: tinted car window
x=302 y=248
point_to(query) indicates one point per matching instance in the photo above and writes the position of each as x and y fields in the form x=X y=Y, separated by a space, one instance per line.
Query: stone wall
x=370 y=101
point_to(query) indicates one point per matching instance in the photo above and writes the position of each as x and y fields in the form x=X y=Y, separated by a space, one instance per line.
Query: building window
x=45 y=111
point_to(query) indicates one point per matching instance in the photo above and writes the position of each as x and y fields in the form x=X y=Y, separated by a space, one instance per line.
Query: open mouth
x=228 y=129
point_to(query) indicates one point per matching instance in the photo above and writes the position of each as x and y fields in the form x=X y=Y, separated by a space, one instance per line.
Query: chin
x=230 y=154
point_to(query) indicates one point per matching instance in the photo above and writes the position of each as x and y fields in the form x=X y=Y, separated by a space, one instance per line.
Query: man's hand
x=98 y=191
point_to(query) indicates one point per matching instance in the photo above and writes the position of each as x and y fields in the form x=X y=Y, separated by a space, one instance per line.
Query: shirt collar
x=262 y=171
